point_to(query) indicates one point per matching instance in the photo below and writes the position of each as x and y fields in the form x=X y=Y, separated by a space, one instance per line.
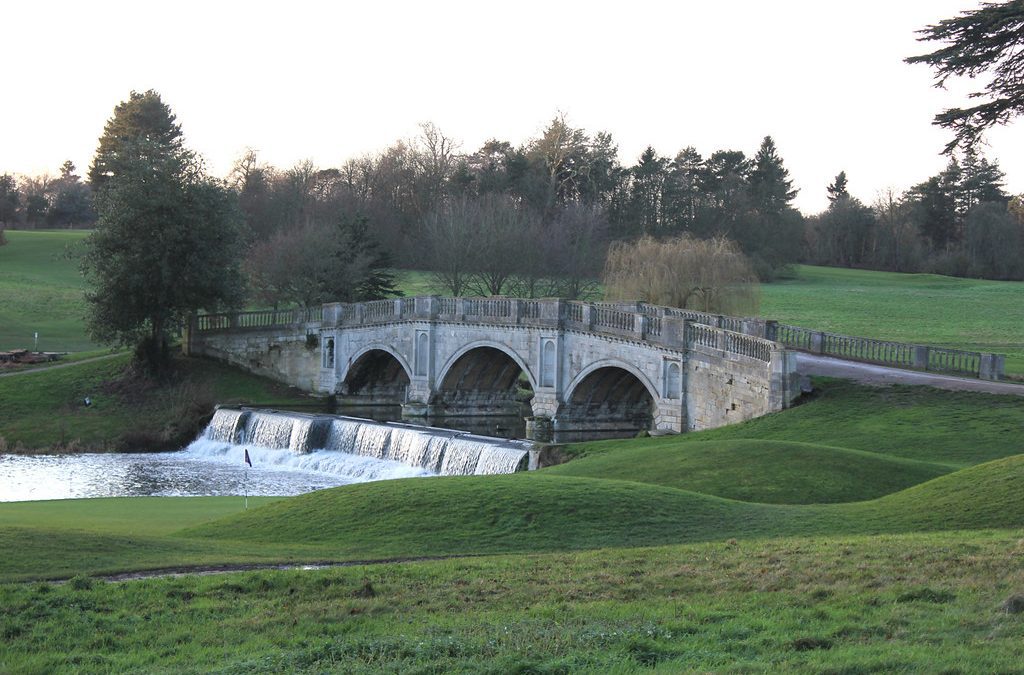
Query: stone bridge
x=572 y=365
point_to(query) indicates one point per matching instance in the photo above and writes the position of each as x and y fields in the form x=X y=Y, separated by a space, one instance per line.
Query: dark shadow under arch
x=611 y=399
x=484 y=381
x=376 y=377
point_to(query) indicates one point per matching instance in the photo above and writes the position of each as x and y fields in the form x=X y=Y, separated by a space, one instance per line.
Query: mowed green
x=41 y=291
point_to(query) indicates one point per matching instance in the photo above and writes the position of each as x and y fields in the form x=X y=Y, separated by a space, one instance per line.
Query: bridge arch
x=446 y=369
x=378 y=373
x=610 y=396
x=484 y=378
x=570 y=390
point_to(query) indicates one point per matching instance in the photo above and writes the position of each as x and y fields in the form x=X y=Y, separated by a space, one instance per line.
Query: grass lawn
x=867 y=530
x=41 y=291
x=769 y=477
x=907 y=603
x=971 y=314
x=45 y=408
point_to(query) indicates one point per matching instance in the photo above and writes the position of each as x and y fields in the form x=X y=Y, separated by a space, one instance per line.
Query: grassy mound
x=488 y=514
x=776 y=472
x=955 y=429
x=466 y=515
x=985 y=496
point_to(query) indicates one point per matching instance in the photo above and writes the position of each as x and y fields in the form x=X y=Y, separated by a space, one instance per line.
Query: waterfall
x=226 y=425
x=318 y=440
x=441 y=451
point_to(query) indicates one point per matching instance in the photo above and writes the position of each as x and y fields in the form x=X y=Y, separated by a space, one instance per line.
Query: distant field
x=41 y=291
x=970 y=314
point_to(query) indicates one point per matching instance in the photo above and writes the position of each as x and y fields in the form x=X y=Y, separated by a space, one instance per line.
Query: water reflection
x=167 y=474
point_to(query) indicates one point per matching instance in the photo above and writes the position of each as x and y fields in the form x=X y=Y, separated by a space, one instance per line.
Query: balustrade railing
x=606 y=317
x=496 y=308
x=866 y=349
x=699 y=334
x=209 y=322
x=749 y=337
x=953 y=360
x=794 y=336
x=747 y=345
x=889 y=353
x=378 y=310
x=448 y=306
x=265 y=318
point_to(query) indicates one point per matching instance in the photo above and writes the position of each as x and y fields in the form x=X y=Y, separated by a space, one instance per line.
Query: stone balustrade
x=637 y=321
x=633 y=320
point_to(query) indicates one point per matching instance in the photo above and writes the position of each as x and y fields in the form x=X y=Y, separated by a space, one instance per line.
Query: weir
x=435 y=451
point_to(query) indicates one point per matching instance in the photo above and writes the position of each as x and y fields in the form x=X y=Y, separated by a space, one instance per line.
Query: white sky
x=332 y=80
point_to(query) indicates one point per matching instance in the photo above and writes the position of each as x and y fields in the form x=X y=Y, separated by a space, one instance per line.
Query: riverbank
x=45 y=411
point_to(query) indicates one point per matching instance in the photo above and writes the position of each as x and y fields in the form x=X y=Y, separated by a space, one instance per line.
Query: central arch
x=608 y=396
x=484 y=379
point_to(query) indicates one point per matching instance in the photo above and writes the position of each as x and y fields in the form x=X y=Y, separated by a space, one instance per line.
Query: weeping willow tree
x=707 y=275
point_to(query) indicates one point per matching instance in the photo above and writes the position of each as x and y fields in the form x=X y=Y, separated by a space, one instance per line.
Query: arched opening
x=484 y=381
x=610 y=400
x=375 y=378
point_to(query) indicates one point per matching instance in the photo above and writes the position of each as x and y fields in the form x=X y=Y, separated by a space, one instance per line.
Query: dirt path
x=866 y=373
x=60 y=365
x=208 y=570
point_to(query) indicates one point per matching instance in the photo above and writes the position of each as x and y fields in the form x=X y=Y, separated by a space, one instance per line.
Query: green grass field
x=46 y=408
x=755 y=547
x=907 y=603
x=971 y=314
x=41 y=291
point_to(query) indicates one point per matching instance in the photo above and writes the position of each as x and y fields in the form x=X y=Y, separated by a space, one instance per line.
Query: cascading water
x=441 y=451
x=362 y=449
x=226 y=425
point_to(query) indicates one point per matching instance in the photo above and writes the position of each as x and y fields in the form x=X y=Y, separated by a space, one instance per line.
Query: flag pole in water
x=246 y=482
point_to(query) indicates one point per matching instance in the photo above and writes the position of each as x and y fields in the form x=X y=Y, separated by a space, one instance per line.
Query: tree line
x=960 y=222
x=559 y=199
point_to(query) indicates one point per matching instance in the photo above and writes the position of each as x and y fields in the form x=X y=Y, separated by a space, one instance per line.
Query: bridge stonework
x=589 y=365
